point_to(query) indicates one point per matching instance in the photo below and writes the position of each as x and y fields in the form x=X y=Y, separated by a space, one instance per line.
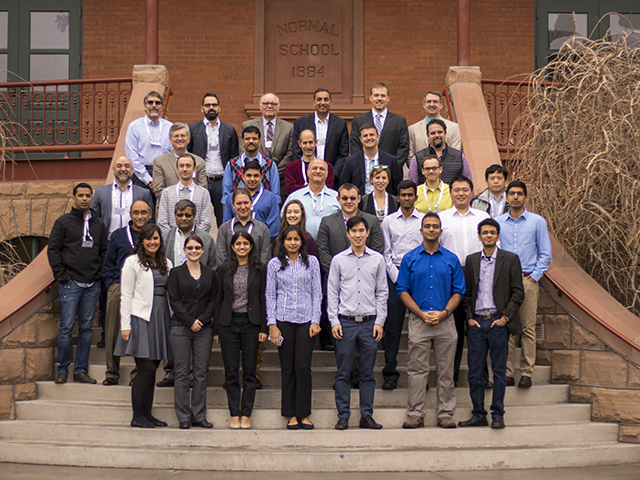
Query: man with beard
x=147 y=139
x=453 y=162
x=217 y=143
x=164 y=167
x=112 y=203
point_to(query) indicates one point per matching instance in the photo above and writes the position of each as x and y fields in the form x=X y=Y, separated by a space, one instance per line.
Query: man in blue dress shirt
x=431 y=284
x=525 y=234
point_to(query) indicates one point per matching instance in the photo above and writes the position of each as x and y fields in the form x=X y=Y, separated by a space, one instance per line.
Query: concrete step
x=270 y=439
x=267 y=418
x=270 y=397
x=322 y=376
x=296 y=458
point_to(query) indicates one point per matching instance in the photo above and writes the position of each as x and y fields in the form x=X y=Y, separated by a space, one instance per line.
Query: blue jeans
x=75 y=299
x=496 y=341
x=361 y=334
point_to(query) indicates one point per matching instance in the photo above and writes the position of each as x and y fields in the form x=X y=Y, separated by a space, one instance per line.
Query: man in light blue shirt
x=318 y=200
x=147 y=139
x=525 y=234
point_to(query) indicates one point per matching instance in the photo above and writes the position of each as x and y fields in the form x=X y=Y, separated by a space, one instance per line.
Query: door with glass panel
x=41 y=40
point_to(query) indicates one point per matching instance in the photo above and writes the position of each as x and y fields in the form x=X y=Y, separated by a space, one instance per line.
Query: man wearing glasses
x=147 y=139
x=217 y=143
x=277 y=135
x=433 y=194
x=431 y=284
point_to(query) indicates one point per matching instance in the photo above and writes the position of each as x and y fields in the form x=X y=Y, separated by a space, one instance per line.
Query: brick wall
x=208 y=46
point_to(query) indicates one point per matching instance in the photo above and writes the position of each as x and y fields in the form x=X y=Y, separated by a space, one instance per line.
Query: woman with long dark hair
x=144 y=324
x=192 y=288
x=241 y=323
x=293 y=214
x=294 y=297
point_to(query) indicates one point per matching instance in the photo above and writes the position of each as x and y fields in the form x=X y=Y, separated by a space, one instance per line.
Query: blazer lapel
x=189 y=279
x=499 y=262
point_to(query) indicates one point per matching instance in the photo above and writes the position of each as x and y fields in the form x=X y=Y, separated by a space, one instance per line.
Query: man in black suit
x=392 y=128
x=217 y=143
x=331 y=131
x=357 y=167
x=494 y=294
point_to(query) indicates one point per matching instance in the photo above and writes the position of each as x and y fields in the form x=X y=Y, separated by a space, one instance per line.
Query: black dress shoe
x=82 y=377
x=369 y=422
x=100 y=344
x=142 y=423
x=343 y=424
x=474 y=422
x=329 y=348
x=110 y=381
x=184 y=426
x=497 y=422
x=510 y=381
x=61 y=377
x=165 y=382
x=202 y=424
x=488 y=384
x=258 y=384
x=157 y=422
x=306 y=426
x=389 y=385
x=295 y=426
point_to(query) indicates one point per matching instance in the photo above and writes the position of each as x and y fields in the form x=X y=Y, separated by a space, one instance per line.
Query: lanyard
x=426 y=199
x=85 y=229
x=154 y=141
x=257 y=197
x=315 y=201
x=129 y=235
x=233 y=229
x=178 y=191
x=304 y=166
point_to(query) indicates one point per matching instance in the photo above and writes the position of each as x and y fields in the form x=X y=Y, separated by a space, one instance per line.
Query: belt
x=526 y=274
x=487 y=316
x=213 y=178
x=363 y=318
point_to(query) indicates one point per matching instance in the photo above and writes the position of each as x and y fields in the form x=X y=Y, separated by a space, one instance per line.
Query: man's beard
x=211 y=115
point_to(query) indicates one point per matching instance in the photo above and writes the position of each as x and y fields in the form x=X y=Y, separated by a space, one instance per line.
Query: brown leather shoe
x=446 y=422
x=510 y=382
x=83 y=377
x=525 y=382
x=414 y=421
x=61 y=377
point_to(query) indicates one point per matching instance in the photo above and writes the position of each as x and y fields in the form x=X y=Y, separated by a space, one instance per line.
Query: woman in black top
x=191 y=290
x=379 y=203
x=241 y=323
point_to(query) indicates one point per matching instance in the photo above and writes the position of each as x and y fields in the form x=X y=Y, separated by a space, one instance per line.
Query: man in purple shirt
x=493 y=296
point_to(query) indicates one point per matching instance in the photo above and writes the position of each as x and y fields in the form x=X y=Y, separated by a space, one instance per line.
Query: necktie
x=378 y=122
x=269 y=137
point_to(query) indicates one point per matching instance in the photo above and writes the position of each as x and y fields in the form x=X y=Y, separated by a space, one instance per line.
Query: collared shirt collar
x=189 y=187
x=258 y=157
x=524 y=215
x=424 y=250
x=493 y=256
x=128 y=187
x=414 y=213
x=307 y=189
x=367 y=251
x=149 y=122
x=317 y=119
x=207 y=122
x=265 y=121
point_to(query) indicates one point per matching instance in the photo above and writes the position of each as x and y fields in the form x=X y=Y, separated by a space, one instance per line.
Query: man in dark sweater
x=77 y=246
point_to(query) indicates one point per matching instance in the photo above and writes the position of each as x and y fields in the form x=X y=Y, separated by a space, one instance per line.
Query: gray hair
x=179 y=126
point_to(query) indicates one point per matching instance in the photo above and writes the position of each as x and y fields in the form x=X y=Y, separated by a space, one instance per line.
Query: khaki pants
x=443 y=337
x=528 y=311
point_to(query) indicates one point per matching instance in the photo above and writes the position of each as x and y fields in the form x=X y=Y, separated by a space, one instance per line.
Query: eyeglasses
x=489 y=232
x=184 y=215
x=154 y=102
x=269 y=104
x=192 y=247
x=430 y=169
x=210 y=105
x=428 y=226
x=346 y=199
x=379 y=167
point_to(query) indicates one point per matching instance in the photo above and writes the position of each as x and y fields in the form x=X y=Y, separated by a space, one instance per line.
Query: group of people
x=342 y=264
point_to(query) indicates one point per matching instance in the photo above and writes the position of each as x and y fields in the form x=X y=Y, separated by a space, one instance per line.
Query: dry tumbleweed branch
x=579 y=142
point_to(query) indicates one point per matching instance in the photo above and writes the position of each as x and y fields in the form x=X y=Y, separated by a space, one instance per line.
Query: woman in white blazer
x=144 y=324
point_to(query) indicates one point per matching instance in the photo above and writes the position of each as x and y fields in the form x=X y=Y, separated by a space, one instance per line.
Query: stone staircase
x=88 y=425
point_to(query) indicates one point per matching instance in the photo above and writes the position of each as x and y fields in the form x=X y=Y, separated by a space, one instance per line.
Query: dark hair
x=488 y=221
x=253 y=165
x=210 y=95
x=140 y=200
x=366 y=126
x=195 y=238
x=431 y=215
x=496 y=168
x=379 y=85
x=321 y=90
x=160 y=261
x=404 y=184
x=282 y=252
x=356 y=220
x=241 y=191
x=153 y=93
x=437 y=121
x=231 y=262
x=430 y=156
x=82 y=185
x=462 y=178
x=183 y=205
x=185 y=155
x=517 y=184
x=348 y=186
x=251 y=129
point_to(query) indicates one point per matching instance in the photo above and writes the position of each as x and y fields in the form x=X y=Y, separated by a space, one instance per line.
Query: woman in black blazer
x=241 y=323
x=379 y=203
x=191 y=289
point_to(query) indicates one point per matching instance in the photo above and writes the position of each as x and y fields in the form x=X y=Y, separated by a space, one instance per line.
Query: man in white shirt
x=185 y=189
x=401 y=231
x=460 y=236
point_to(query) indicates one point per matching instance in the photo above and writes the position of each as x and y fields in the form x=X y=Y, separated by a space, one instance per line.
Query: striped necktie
x=378 y=122
x=269 y=137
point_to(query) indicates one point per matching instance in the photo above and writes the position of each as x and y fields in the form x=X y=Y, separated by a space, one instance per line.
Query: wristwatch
x=448 y=312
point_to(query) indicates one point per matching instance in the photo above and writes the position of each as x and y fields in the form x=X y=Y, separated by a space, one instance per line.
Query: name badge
x=120 y=211
x=268 y=144
x=156 y=143
x=317 y=213
x=214 y=148
x=87 y=244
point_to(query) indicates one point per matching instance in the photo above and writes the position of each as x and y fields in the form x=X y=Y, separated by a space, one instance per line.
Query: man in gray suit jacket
x=494 y=293
x=278 y=145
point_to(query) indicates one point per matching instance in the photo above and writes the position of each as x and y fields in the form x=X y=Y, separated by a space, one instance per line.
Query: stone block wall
x=596 y=373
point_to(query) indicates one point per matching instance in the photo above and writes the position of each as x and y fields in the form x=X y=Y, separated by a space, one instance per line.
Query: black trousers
x=240 y=337
x=295 y=365
x=215 y=192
